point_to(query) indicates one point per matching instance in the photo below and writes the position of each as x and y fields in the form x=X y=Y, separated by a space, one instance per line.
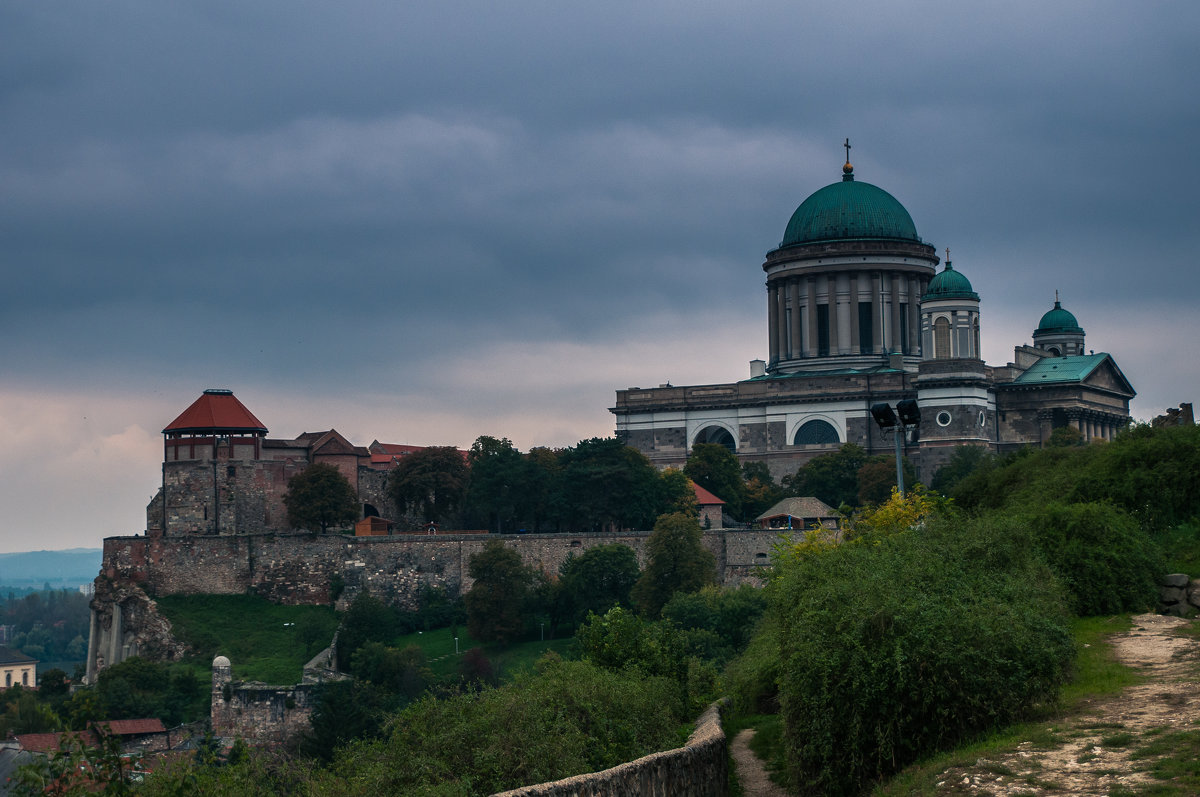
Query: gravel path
x=1093 y=754
x=750 y=770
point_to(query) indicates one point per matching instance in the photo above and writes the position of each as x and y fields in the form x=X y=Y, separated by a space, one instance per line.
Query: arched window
x=718 y=435
x=817 y=433
x=941 y=338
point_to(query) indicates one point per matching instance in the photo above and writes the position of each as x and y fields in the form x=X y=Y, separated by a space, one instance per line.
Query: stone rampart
x=698 y=769
x=300 y=568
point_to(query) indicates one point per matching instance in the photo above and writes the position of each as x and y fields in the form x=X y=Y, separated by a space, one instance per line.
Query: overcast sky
x=423 y=222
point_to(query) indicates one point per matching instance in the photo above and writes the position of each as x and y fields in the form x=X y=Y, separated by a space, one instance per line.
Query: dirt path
x=1089 y=754
x=750 y=771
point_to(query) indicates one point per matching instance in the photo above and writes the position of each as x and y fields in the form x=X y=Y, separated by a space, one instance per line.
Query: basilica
x=858 y=314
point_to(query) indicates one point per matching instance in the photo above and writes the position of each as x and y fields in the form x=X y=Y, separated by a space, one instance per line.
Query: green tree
x=499 y=491
x=715 y=468
x=678 y=492
x=24 y=714
x=497 y=602
x=402 y=672
x=1065 y=436
x=832 y=477
x=877 y=477
x=367 y=620
x=320 y=497
x=677 y=561
x=431 y=481
x=964 y=461
x=597 y=580
x=344 y=711
x=607 y=482
x=545 y=503
x=761 y=491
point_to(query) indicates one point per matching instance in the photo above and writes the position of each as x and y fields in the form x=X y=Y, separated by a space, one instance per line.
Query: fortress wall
x=302 y=568
x=299 y=568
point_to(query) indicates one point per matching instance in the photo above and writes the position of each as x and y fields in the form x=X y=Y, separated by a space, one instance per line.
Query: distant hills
x=68 y=568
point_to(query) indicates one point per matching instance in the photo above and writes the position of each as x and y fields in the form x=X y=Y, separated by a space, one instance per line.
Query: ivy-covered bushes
x=909 y=642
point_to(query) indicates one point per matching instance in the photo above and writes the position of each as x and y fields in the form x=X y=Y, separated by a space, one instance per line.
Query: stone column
x=852 y=309
x=895 y=314
x=914 y=315
x=810 y=310
x=797 y=319
x=877 y=313
x=835 y=343
x=772 y=324
x=93 y=643
x=780 y=311
x=115 y=633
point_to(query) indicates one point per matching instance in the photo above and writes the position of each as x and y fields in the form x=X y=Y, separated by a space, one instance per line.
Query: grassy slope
x=439 y=648
x=264 y=641
x=271 y=643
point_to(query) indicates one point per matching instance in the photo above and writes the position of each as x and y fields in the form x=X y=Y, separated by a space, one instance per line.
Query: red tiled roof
x=386 y=453
x=393 y=449
x=216 y=411
x=133 y=727
x=704 y=497
x=48 y=742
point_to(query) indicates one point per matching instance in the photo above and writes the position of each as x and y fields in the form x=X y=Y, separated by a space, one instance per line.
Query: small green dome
x=1059 y=320
x=950 y=284
x=849 y=210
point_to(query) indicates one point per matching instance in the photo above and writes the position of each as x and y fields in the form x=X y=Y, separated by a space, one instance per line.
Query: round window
x=982 y=418
x=943 y=418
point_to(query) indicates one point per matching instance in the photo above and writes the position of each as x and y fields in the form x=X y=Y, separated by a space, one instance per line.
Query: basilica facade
x=858 y=314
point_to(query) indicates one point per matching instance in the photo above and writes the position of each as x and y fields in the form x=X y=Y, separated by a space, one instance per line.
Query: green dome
x=1059 y=320
x=950 y=284
x=849 y=210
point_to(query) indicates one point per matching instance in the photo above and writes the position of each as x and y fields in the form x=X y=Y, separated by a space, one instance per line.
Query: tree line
x=598 y=484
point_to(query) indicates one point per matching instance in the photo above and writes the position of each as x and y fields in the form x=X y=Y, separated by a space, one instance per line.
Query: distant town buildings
x=858 y=314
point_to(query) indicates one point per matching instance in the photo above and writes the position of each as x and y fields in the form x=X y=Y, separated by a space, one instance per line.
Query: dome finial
x=948 y=267
x=848 y=169
x=1057 y=304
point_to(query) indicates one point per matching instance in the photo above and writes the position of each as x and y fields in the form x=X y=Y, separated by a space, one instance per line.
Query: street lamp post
x=906 y=416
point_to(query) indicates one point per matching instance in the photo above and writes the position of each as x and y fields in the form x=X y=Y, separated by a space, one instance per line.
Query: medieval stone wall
x=259 y=713
x=301 y=568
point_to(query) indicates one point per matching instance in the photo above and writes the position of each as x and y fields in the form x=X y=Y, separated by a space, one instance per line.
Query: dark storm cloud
x=484 y=217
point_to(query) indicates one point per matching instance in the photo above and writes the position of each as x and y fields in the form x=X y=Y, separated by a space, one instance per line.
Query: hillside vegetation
x=938 y=622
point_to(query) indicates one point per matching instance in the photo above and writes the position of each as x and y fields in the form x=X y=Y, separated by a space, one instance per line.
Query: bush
x=568 y=718
x=904 y=644
x=752 y=679
x=1106 y=562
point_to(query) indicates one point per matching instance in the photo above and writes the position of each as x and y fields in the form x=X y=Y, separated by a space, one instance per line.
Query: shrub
x=752 y=678
x=904 y=644
x=568 y=718
x=1105 y=560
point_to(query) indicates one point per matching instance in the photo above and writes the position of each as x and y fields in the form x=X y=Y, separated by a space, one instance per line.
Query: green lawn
x=439 y=647
x=264 y=641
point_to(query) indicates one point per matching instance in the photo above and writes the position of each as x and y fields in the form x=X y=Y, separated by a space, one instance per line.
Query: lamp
x=909 y=418
x=884 y=415
x=910 y=413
